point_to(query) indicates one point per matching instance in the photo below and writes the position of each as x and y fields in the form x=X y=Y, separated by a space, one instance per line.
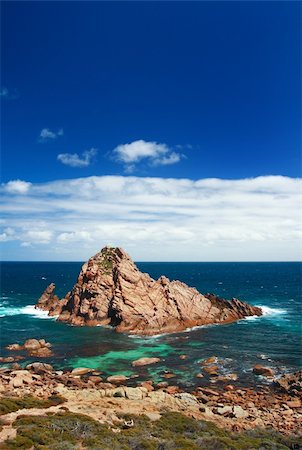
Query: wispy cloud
x=8 y=94
x=155 y=218
x=154 y=153
x=46 y=134
x=76 y=160
x=4 y=92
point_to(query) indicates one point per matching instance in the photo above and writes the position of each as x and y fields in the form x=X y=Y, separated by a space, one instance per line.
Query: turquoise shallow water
x=274 y=339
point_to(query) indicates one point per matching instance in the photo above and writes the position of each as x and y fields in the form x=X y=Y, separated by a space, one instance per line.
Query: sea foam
x=268 y=311
x=28 y=310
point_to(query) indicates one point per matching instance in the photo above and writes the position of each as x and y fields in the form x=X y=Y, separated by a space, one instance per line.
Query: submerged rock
x=145 y=361
x=110 y=290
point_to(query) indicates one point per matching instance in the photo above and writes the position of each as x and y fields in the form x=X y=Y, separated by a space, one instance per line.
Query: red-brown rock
x=261 y=370
x=145 y=362
x=110 y=290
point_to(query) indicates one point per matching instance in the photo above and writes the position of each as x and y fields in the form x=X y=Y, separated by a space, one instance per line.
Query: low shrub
x=12 y=404
x=173 y=431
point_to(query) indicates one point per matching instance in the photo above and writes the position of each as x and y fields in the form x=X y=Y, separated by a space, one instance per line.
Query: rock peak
x=110 y=290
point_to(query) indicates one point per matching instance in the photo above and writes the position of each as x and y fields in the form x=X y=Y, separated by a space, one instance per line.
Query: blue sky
x=168 y=90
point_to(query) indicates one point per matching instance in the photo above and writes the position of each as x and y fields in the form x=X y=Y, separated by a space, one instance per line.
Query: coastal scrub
x=70 y=431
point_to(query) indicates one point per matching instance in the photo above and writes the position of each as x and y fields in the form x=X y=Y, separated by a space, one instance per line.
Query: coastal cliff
x=110 y=290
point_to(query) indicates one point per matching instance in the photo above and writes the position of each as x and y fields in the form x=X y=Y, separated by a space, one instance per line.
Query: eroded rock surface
x=291 y=383
x=110 y=290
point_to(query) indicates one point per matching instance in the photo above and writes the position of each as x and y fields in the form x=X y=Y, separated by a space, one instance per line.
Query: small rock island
x=110 y=290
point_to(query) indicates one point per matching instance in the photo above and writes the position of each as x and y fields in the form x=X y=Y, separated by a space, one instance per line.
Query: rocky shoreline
x=84 y=390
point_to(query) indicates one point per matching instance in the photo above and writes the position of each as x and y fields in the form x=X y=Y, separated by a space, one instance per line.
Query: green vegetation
x=106 y=262
x=67 y=431
x=12 y=404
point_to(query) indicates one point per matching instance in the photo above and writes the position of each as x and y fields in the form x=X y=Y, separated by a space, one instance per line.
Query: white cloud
x=17 y=187
x=172 y=158
x=37 y=236
x=74 y=160
x=46 y=134
x=156 y=218
x=155 y=154
x=4 y=92
x=7 y=235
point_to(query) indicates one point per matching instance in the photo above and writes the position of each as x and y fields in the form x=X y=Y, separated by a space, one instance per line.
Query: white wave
x=28 y=310
x=251 y=318
x=268 y=311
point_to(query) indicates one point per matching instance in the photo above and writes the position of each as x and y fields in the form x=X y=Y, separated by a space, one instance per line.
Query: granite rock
x=110 y=290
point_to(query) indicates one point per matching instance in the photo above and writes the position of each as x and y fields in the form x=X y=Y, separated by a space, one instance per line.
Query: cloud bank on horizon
x=153 y=218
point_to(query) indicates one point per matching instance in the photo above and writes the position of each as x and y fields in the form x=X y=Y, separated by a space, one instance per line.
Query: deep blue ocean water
x=273 y=340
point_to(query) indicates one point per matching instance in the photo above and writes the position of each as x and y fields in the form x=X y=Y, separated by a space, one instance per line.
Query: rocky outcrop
x=291 y=383
x=34 y=347
x=50 y=302
x=110 y=290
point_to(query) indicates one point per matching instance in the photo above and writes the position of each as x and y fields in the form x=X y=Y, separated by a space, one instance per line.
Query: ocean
x=273 y=340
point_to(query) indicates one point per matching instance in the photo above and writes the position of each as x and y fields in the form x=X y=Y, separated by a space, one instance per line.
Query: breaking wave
x=28 y=310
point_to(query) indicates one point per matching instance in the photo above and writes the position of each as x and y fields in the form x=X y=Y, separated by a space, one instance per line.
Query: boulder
x=16 y=366
x=42 y=352
x=110 y=290
x=34 y=347
x=40 y=368
x=95 y=379
x=137 y=393
x=187 y=399
x=229 y=387
x=117 y=379
x=32 y=344
x=147 y=385
x=239 y=412
x=162 y=385
x=211 y=370
x=14 y=347
x=210 y=360
x=290 y=383
x=145 y=361
x=224 y=410
x=294 y=403
x=172 y=390
x=78 y=371
x=261 y=370
x=7 y=359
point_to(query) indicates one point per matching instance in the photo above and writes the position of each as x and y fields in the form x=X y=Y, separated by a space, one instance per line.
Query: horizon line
x=156 y=262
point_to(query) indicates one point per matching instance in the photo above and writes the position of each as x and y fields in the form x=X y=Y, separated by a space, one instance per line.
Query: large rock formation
x=110 y=290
